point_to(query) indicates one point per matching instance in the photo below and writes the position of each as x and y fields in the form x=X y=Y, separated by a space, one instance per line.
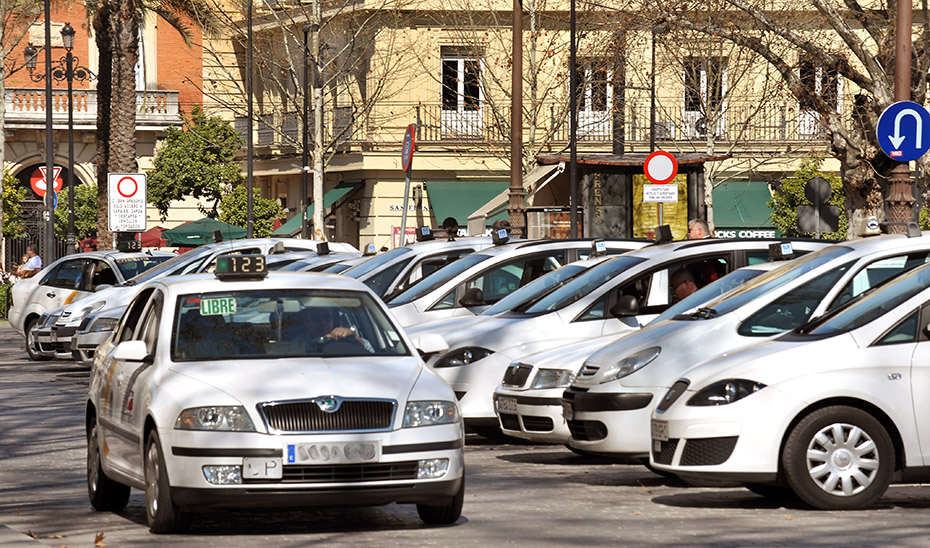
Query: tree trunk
x=319 y=230
x=124 y=34
x=102 y=37
x=863 y=187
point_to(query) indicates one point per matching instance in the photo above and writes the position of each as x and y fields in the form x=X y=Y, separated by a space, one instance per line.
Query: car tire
x=105 y=494
x=445 y=514
x=163 y=515
x=857 y=461
x=769 y=491
x=31 y=349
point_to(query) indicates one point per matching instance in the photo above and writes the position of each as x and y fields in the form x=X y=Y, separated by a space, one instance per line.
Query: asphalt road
x=517 y=495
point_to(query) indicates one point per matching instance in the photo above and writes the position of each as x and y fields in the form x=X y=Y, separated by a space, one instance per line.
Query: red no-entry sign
x=660 y=167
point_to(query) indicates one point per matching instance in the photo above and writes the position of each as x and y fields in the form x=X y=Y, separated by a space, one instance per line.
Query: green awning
x=461 y=199
x=742 y=204
x=200 y=232
x=292 y=226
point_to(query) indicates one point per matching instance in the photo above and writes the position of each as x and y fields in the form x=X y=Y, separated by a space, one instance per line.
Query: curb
x=10 y=538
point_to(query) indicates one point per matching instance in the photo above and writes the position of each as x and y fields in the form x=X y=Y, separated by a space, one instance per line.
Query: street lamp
x=66 y=69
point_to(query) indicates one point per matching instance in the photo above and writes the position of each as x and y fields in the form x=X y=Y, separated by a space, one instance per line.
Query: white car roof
x=197 y=283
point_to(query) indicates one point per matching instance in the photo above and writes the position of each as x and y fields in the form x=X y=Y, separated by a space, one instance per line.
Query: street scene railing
x=26 y=106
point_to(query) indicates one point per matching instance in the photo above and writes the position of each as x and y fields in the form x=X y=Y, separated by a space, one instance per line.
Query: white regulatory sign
x=126 y=193
x=660 y=193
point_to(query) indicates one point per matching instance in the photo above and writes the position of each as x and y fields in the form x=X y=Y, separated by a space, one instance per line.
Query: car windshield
x=281 y=323
x=170 y=265
x=581 y=285
x=773 y=279
x=708 y=292
x=534 y=289
x=437 y=279
x=872 y=305
x=131 y=267
x=376 y=262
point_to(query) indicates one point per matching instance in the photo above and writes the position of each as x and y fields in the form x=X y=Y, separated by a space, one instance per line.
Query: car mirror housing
x=473 y=297
x=132 y=351
x=626 y=306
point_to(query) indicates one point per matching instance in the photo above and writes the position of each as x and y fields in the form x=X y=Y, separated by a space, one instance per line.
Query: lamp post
x=66 y=69
x=573 y=126
x=305 y=140
x=249 y=145
x=660 y=29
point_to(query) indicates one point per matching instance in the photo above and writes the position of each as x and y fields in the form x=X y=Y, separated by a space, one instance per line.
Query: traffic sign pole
x=406 y=160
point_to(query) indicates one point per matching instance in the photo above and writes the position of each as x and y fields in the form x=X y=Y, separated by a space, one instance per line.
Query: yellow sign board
x=674 y=214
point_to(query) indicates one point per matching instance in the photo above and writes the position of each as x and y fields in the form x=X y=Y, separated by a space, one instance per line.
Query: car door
x=121 y=441
x=62 y=285
x=920 y=380
x=653 y=292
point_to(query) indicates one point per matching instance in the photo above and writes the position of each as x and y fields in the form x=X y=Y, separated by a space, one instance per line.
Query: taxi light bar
x=500 y=236
x=782 y=251
x=598 y=248
x=913 y=230
x=322 y=248
x=241 y=267
x=425 y=234
x=129 y=245
x=663 y=234
x=369 y=250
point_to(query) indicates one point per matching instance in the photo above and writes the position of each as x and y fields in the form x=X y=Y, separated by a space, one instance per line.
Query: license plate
x=660 y=430
x=261 y=468
x=507 y=405
x=339 y=452
x=567 y=412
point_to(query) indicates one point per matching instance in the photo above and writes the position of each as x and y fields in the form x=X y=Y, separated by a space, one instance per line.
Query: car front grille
x=588 y=371
x=537 y=424
x=516 y=376
x=510 y=421
x=307 y=416
x=347 y=473
x=587 y=430
x=666 y=452
x=707 y=451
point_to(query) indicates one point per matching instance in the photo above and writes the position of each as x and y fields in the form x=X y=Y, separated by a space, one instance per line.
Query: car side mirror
x=473 y=297
x=430 y=343
x=132 y=351
x=626 y=305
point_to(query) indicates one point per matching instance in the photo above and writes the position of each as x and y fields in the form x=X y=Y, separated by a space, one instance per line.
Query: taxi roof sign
x=782 y=251
x=241 y=267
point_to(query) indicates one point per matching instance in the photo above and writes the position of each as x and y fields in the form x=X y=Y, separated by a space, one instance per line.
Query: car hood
x=684 y=343
x=494 y=333
x=252 y=381
x=447 y=326
x=570 y=356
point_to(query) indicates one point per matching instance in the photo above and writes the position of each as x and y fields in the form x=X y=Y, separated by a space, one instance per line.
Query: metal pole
x=652 y=98
x=249 y=145
x=403 y=216
x=517 y=195
x=900 y=198
x=49 y=144
x=72 y=238
x=573 y=128
x=305 y=142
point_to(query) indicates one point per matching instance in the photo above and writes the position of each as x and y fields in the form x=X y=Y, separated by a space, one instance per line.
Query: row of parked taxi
x=793 y=366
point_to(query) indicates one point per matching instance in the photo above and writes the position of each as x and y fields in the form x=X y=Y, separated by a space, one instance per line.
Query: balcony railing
x=279 y=129
x=25 y=107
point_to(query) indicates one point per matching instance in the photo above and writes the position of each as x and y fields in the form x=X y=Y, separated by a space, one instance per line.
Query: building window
x=594 y=92
x=705 y=83
x=818 y=82
x=461 y=80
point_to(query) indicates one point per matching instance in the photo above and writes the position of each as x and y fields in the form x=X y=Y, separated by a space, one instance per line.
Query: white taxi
x=244 y=389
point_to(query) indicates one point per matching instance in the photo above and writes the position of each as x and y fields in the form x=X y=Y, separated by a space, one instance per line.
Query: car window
x=582 y=285
x=174 y=264
x=68 y=275
x=381 y=281
x=904 y=332
x=376 y=262
x=100 y=273
x=437 y=279
x=877 y=272
x=502 y=280
x=130 y=324
x=281 y=323
x=151 y=321
x=708 y=292
x=794 y=308
x=534 y=290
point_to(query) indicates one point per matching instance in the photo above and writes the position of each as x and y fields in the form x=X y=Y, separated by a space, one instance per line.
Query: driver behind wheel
x=321 y=323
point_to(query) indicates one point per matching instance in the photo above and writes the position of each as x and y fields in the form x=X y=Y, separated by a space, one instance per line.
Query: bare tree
x=829 y=39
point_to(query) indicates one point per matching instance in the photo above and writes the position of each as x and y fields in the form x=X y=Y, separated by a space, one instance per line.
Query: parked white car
x=55 y=340
x=835 y=411
x=472 y=284
x=70 y=279
x=529 y=400
x=290 y=390
x=609 y=404
x=613 y=297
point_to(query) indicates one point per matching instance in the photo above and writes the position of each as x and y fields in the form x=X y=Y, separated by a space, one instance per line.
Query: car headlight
x=102 y=324
x=724 y=392
x=230 y=419
x=87 y=310
x=630 y=364
x=552 y=378
x=463 y=356
x=428 y=413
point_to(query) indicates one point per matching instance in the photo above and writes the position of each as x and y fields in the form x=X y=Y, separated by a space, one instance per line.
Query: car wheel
x=769 y=491
x=105 y=494
x=445 y=514
x=163 y=515
x=839 y=458
x=31 y=346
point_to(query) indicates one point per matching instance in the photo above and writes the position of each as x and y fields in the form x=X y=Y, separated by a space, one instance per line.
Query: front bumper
x=84 y=345
x=614 y=423
x=474 y=386
x=538 y=414
x=391 y=478
x=45 y=344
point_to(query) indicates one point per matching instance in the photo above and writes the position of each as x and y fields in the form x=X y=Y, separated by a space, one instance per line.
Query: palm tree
x=116 y=30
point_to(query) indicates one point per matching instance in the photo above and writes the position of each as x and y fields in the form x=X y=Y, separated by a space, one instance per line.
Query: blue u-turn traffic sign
x=904 y=131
